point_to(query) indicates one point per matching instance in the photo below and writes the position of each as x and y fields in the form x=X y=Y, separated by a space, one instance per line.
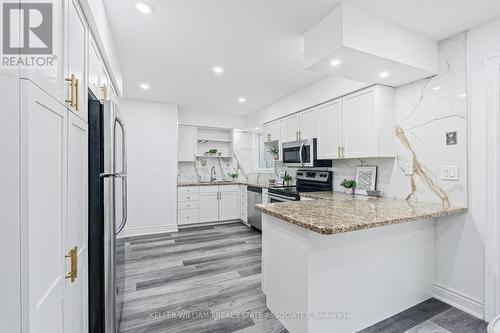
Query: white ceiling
x=257 y=42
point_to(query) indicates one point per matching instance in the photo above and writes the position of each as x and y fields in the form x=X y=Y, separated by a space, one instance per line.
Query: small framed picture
x=366 y=179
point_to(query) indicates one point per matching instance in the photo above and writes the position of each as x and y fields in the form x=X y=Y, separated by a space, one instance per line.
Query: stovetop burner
x=307 y=181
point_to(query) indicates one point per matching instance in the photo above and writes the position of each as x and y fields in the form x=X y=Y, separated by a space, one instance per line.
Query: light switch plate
x=449 y=172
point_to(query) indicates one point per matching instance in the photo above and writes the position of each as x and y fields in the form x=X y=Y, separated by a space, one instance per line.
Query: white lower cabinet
x=243 y=203
x=205 y=204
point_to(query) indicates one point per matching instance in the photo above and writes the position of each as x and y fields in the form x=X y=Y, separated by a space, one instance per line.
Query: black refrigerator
x=107 y=214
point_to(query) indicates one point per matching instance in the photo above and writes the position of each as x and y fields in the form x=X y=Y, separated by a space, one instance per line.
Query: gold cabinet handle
x=104 y=92
x=71 y=81
x=338 y=151
x=343 y=151
x=76 y=94
x=73 y=256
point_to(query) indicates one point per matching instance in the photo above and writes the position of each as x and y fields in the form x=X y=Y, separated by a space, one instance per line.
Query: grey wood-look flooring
x=207 y=279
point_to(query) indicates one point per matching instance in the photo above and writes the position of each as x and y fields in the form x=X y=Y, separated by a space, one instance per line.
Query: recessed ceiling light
x=218 y=70
x=436 y=88
x=256 y=128
x=242 y=99
x=335 y=62
x=383 y=75
x=144 y=86
x=144 y=8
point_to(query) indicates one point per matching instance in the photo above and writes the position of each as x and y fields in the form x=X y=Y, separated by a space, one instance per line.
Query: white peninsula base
x=368 y=275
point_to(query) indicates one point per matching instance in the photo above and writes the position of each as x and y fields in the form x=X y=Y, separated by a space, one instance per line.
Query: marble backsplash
x=425 y=111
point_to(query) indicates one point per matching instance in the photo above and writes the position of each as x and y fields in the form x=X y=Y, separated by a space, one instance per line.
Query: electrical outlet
x=449 y=172
x=408 y=169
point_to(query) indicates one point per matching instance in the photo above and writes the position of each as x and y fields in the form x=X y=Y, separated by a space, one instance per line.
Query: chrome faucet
x=213 y=176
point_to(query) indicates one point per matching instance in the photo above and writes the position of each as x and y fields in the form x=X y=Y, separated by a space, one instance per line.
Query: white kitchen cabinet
x=265 y=196
x=272 y=131
x=77 y=222
x=368 y=118
x=53 y=186
x=209 y=204
x=76 y=83
x=94 y=66
x=330 y=130
x=243 y=203
x=292 y=128
x=186 y=151
x=308 y=124
x=228 y=205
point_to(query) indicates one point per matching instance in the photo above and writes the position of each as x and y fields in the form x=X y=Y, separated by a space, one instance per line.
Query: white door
x=186 y=144
x=292 y=128
x=77 y=88
x=76 y=296
x=308 y=124
x=209 y=207
x=330 y=130
x=228 y=206
x=44 y=210
x=359 y=130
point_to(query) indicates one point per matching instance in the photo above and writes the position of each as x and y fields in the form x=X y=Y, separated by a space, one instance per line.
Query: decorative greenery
x=274 y=150
x=348 y=183
x=212 y=151
x=233 y=175
x=286 y=177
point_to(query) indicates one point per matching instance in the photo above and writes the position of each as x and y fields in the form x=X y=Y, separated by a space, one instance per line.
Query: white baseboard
x=459 y=300
x=158 y=229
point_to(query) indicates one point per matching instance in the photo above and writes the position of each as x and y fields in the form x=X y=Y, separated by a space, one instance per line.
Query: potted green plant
x=233 y=175
x=212 y=152
x=286 y=179
x=275 y=151
x=349 y=186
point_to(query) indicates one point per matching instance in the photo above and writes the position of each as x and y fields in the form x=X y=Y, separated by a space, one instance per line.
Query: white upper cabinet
x=75 y=73
x=330 y=132
x=292 y=128
x=368 y=118
x=272 y=131
x=308 y=124
x=94 y=67
x=186 y=151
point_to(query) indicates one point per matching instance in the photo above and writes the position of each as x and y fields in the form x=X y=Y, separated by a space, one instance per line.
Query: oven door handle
x=273 y=195
x=300 y=153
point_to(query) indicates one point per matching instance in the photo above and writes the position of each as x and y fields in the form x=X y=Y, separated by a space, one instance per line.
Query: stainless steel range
x=308 y=180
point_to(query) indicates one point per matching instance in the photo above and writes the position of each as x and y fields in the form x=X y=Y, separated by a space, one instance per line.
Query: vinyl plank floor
x=195 y=281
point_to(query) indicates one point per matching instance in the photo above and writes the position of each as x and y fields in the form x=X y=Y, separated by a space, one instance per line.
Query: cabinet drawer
x=187 y=216
x=187 y=205
x=209 y=189
x=228 y=188
x=187 y=189
x=181 y=197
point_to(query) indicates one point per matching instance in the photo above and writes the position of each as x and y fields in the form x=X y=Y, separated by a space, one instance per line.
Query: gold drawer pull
x=73 y=256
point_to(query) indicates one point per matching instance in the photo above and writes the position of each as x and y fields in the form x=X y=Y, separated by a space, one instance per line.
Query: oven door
x=298 y=153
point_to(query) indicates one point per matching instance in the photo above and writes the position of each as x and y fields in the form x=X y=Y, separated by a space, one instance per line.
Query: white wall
x=210 y=119
x=318 y=92
x=152 y=166
x=484 y=146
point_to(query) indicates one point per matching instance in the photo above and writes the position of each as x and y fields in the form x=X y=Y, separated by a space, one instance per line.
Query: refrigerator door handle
x=123 y=175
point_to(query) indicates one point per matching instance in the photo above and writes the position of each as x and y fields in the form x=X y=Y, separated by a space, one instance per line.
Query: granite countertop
x=334 y=212
x=222 y=182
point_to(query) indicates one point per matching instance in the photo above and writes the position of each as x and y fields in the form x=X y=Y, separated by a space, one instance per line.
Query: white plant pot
x=349 y=191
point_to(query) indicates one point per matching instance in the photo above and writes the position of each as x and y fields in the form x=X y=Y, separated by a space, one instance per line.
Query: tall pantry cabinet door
x=76 y=304
x=76 y=37
x=43 y=208
x=330 y=130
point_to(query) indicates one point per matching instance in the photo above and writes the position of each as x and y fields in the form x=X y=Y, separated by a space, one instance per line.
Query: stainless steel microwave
x=303 y=153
